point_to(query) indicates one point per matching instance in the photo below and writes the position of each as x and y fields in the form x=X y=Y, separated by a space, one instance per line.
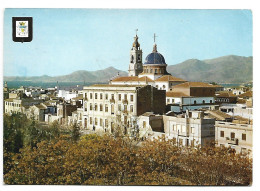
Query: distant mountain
x=78 y=76
x=226 y=69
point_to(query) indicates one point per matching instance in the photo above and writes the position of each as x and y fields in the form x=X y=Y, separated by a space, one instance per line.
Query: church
x=152 y=72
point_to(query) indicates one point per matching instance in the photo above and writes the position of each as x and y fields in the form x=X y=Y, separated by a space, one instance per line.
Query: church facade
x=152 y=72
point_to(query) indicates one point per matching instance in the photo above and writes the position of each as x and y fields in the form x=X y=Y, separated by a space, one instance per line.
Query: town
x=147 y=104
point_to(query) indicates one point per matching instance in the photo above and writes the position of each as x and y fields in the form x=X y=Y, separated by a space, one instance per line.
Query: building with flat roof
x=107 y=106
x=236 y=136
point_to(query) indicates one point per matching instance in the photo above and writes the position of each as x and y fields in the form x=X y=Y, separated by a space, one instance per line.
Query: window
x=172 y=100
x=86 y=95
x=131 y=108
x=192 y=130
x=155 y=71
x=101 y=107
x=151 y=70
x=210 y=101
x=168 y=100
x=180 y=142
x=96 y=107
x=106 y=96
x=195 y=101
x=90 y=120
x=96 y=121
x=132 y=58
x=232 y=135
x=95 y=95
x=106 y=123
x=119 y=97
x=132 y=97
x=106 y=108
x=160 y=71
x=244 y=137
x=85 y=108
x=163 y=86
x=119 y=107
x=221 y=133
x=90 y=95
x=203 y=101
x=101 y=96
x=125 y=96
x=90 y=106
x=144 y=124
x=112 y=96
x=125 y=108
x=101 y=122
x=112 y=109
x=125 y=119
x=139 y=57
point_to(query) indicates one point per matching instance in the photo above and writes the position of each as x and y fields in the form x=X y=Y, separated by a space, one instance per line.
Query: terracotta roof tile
x=115 y=85
x=167 y=78
x=226 y=94
x=247 y=94
x=132 y=78
x=176 y=94
x=194 y=84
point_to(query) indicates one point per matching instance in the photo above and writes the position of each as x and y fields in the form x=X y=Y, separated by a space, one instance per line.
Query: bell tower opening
x=136 y=65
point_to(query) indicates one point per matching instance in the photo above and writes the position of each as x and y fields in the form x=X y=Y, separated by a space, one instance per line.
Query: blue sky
x=67 y=40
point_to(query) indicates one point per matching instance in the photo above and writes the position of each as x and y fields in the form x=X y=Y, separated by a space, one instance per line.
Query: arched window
x=210 y=101
x=132 y=59
x=203 y=101
x=139 y=57
x=195 y=101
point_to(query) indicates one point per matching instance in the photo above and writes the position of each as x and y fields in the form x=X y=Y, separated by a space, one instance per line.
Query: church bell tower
x=135 y=66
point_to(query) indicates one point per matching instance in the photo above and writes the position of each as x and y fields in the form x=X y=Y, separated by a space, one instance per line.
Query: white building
x=190 y=129
x=236 y=136
x=108 y=106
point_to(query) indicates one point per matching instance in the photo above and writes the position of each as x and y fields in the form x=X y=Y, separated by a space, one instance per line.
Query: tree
x=75 y=133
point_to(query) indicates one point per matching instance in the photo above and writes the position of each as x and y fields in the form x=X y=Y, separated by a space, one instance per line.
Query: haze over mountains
x=226 y=69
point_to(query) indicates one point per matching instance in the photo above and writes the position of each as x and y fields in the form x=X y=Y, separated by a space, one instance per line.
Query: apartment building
x=190 y=129
x=107 y=107
x=190 y=96
x=17 y=105
x=236 y=136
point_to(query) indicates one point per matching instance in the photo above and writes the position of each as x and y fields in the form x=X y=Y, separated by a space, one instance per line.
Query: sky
x=67 y=40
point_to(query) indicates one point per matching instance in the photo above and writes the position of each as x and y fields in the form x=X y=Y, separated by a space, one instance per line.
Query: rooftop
x=169 y=78
x=176 y=94
x=246 y=94
x=132 y=78
x=194 y=84
x=226 y=94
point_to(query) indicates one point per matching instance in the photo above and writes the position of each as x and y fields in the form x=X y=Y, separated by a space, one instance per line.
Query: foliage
x=106 y=160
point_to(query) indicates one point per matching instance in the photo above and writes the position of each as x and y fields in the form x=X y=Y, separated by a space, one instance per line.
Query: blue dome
x=154 y=58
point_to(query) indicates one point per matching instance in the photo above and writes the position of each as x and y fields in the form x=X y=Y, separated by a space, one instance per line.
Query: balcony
x=125 y=101
x=112 y=100
x=232 y=141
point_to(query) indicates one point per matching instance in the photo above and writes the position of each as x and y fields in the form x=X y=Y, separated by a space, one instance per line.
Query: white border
x=152 y=4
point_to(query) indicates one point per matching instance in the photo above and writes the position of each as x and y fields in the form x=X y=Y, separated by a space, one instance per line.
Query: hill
x=226 y=69
x=78 y=76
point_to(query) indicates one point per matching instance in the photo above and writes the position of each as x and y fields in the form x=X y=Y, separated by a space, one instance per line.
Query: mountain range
x=226 y=69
